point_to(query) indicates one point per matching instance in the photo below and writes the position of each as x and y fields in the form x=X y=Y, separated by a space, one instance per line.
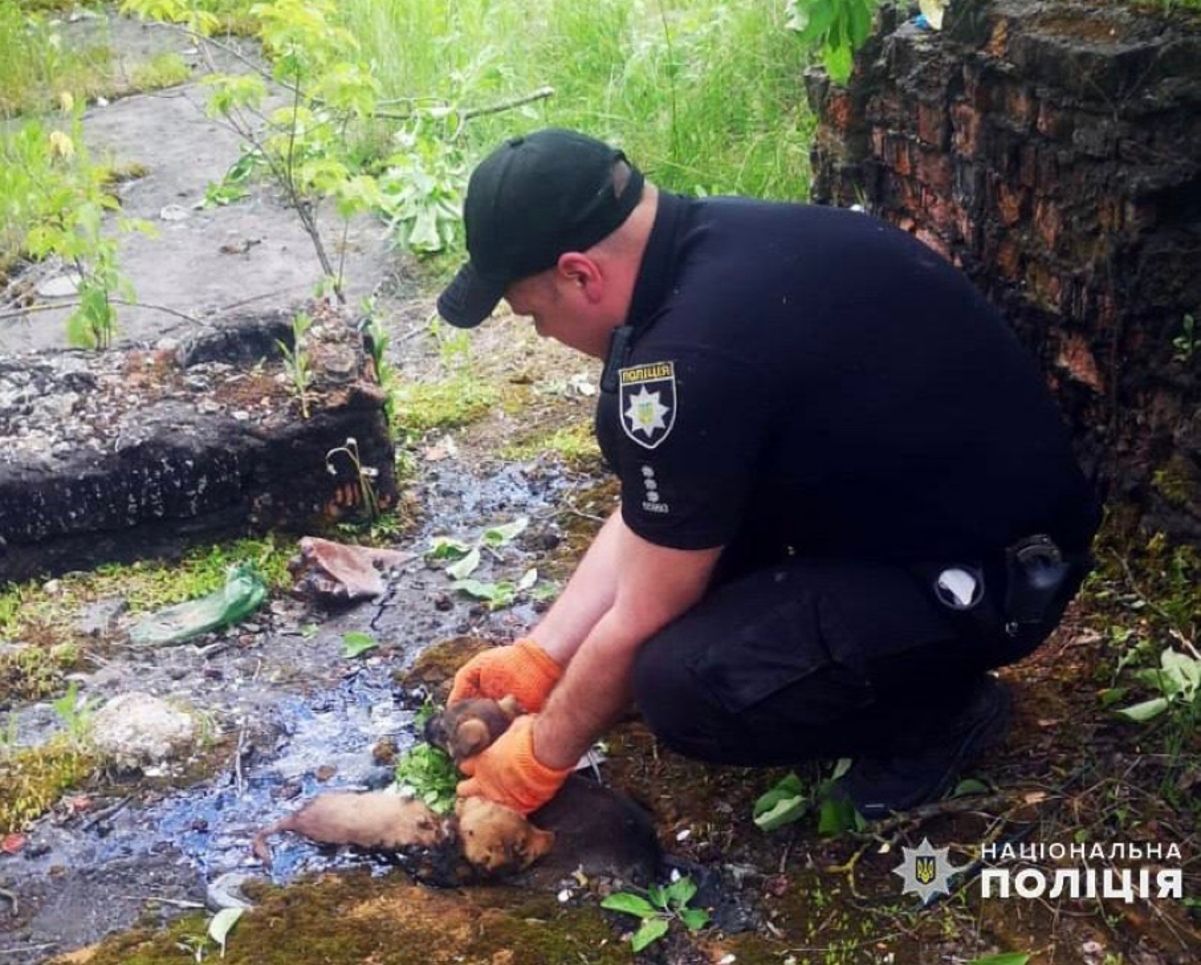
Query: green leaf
x=222 y=924
x=1005 y=958
x=787 y=788
x=651 y=931
x=784 y=811
x=447 y=548
x=629 y=904
x=65 y=708
x=497 y=595
x=657 y=896
x=837 y=815
x=838 y=61
x=500 y=535
x=694 y=919
x=356 y=642
x=466 y=566
x=681 y=891
x=1111 y=695
x=1147 y=710
x=1184 y=670
x=969 y=785
x=841 y=766
x=429 y=773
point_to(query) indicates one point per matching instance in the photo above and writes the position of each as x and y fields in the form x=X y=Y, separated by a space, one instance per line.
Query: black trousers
x=820 y=658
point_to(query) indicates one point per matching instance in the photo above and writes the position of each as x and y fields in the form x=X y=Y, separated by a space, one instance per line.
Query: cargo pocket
x=773 y=649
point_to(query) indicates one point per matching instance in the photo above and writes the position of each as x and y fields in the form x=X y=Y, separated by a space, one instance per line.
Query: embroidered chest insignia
x=648 y=402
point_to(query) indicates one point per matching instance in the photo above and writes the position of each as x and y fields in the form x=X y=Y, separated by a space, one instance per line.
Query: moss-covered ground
x=355 y=918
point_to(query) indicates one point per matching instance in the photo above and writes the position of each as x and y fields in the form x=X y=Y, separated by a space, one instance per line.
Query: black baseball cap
x=529 y=201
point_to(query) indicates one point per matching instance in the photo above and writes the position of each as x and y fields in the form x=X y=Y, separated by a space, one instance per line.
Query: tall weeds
x=704 y=95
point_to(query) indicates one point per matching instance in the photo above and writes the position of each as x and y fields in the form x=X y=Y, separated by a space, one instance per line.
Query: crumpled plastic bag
x=338 y=572
x=243 y=593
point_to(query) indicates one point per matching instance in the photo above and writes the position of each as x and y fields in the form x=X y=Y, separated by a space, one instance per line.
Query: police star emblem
x=648 y=402
x=925 y=871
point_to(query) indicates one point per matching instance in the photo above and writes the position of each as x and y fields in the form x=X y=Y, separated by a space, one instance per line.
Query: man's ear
x=580 y=271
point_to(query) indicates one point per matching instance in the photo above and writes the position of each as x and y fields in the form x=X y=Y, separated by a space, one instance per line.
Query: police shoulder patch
x=647 y=403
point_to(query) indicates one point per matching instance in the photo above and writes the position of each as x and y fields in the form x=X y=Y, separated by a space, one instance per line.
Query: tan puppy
x=496 y=839
x=376 y=821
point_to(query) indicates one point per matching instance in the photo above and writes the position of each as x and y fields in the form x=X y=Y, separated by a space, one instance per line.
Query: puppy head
x=469 y=726
x=496 y=839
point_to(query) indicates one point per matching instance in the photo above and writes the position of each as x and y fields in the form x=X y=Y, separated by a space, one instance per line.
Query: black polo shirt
x=812 y=380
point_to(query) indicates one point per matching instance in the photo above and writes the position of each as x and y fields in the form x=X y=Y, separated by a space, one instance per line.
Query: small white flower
x=369 y=471
x=675 y=874
x=684 y=835
x=329 y=468
x=564 y=895
x=350 y=441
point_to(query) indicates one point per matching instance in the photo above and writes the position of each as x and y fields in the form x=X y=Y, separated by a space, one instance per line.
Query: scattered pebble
x=137 y=729
x=173 y=212
x=384 y=751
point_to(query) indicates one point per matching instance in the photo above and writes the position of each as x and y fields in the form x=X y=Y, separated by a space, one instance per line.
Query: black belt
x=1020 y=587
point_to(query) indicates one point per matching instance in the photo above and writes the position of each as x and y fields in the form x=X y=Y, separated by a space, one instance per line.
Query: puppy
x=467 y=727
x=493 y=839
x=375 y=821
x=496 y=839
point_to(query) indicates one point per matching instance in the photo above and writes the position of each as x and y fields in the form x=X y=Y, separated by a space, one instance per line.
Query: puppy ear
x=510 y=706
x=471 y=737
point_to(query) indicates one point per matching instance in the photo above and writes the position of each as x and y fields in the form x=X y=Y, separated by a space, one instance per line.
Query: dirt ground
x=204 y=262
x=120 y=867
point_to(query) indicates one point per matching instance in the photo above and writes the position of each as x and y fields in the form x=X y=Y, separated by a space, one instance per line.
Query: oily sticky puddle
x=287 y=716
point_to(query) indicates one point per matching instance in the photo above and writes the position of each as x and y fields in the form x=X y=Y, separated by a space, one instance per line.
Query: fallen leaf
x=12 y=843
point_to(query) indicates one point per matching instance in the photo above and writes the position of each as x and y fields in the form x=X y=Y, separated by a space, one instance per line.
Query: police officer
x=846 y=494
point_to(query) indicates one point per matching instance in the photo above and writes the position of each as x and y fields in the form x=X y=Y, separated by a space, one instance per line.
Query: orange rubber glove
x=508 y=773
x=522 y=669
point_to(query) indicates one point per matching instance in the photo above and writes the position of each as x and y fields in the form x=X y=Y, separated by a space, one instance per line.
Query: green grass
x=704 y=95
x=161 y=70
x=37 y=64
x=454 y=401
x=574 y=444
x=30 y=611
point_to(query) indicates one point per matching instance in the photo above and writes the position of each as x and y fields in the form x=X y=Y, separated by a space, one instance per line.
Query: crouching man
x=846 y=494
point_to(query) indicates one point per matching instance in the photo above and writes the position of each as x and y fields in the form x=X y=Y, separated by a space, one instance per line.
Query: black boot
x=919 y=768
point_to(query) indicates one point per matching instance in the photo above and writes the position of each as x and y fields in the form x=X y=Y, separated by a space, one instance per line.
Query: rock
x=137 y=729
x=384 y=752
x=173 y=212
x=434 y=669
x=60 y=286
x=167 y=462
x=99 y=619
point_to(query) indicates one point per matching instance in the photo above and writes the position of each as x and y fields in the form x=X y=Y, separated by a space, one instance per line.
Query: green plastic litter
x=243 y=593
